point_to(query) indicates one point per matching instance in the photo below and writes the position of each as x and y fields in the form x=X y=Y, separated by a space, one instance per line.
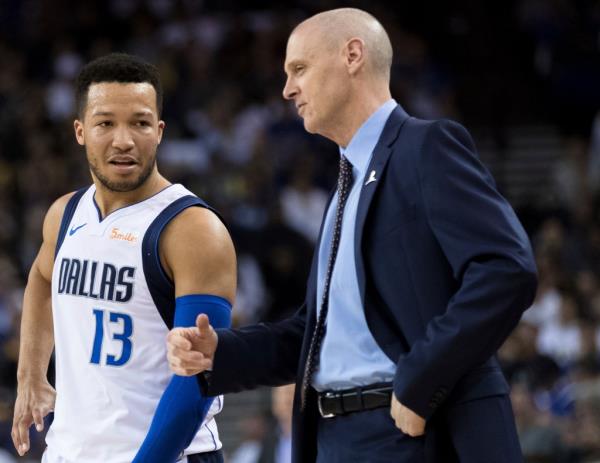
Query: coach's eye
x=104 y=124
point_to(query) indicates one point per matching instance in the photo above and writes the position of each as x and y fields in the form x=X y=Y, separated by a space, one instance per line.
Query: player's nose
x=122 y=139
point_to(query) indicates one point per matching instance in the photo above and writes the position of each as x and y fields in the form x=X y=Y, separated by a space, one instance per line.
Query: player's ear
x=78 y=125
x=161 y=129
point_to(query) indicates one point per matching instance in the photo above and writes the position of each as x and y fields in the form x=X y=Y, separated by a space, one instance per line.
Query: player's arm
x=35 y=395
x=197 y=254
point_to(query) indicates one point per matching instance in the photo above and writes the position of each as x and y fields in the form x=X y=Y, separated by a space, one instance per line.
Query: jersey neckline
x=102 y=219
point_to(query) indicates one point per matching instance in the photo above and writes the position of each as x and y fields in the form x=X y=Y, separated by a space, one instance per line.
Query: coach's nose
x=290 y=90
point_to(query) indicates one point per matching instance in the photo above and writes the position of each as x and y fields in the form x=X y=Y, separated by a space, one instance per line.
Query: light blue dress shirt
x=349 y=356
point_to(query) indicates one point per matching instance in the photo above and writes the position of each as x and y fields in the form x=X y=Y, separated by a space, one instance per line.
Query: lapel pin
x=371 y=178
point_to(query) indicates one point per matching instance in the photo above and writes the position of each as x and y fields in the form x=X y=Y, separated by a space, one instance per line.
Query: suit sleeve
x=491 y=260
x=266 y=354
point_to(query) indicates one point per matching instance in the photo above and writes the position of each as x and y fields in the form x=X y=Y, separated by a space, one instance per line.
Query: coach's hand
x=191 y=350
x=35 y=399
x=406 y=420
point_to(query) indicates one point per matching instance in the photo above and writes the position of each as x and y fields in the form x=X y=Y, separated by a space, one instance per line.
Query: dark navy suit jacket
x=445 y=271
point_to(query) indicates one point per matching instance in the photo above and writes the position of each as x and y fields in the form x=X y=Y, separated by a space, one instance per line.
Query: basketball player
x=121 y=262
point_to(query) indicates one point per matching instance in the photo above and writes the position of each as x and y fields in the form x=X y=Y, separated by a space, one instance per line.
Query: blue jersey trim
x=159 y=284
x=70 y=209
x=211 y=435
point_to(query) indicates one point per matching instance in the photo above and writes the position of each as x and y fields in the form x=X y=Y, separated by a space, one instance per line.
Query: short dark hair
x=116 y=67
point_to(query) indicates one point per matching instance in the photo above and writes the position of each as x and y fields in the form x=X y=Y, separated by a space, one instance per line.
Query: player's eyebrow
x=103 y=113
x=110 y=113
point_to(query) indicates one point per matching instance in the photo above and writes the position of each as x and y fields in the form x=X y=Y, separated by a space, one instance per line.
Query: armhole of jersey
x=67 y=216
x=159 y=284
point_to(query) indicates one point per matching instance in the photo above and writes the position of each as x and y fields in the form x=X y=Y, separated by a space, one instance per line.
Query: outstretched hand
x=191 y=350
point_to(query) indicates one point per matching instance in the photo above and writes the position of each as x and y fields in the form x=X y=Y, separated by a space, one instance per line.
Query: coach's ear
x=78 y=125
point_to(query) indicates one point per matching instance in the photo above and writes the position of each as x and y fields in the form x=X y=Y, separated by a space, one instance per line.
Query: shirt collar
x=362 y=144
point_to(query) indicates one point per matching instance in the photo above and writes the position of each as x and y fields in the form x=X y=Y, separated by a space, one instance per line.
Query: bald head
x=338 y=71
x=336 y=27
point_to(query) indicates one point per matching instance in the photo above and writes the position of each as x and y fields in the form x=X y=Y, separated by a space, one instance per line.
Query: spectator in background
x=541 y=442
x=523 y=364
x=269 y=444
x=562 y=339
x=283 y=399
x=303 y=203
x=255 y=430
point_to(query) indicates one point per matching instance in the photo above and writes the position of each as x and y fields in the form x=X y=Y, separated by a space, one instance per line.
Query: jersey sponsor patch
x=126 y=236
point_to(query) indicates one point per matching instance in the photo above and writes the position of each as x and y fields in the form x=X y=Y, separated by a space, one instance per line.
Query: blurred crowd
x=234 y=141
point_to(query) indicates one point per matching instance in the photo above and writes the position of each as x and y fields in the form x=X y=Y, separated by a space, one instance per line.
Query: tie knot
x=345 y=165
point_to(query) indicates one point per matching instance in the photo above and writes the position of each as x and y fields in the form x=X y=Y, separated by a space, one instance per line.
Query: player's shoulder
x=58 y=206
x=196 y=240
x=54 y=216
x=196 y=229
x=198 y=255
x=197 y=222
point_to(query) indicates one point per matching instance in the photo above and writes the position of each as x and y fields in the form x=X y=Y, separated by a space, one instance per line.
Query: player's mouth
x=123 y=164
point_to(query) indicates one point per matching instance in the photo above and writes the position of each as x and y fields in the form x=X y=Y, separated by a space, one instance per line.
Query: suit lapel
x=379 y=160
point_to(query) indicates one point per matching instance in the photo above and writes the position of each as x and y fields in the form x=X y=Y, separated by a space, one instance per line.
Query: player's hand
x=191 y=350
x=406 y=420
x=35 y=399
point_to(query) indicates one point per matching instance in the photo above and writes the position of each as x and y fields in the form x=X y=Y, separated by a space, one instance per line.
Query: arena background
x=522 y=75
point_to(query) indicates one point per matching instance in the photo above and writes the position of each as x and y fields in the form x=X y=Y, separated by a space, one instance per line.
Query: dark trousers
x=478 y=431
x=369 y=436
x=206 y=457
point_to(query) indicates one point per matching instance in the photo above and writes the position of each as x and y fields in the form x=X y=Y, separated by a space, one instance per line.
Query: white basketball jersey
x=111 y=302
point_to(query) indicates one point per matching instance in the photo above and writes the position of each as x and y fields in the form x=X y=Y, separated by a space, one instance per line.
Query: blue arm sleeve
x=182 y=408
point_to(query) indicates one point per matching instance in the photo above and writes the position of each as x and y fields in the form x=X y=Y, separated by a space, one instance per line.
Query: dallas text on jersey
x=96 y=280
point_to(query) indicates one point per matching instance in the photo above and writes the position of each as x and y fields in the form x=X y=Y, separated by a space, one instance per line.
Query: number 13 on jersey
x=126 y=328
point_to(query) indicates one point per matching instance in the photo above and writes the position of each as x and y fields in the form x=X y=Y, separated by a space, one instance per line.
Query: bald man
x=421 y=271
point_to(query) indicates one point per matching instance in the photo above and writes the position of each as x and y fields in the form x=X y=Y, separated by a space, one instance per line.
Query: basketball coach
x=421 y=271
